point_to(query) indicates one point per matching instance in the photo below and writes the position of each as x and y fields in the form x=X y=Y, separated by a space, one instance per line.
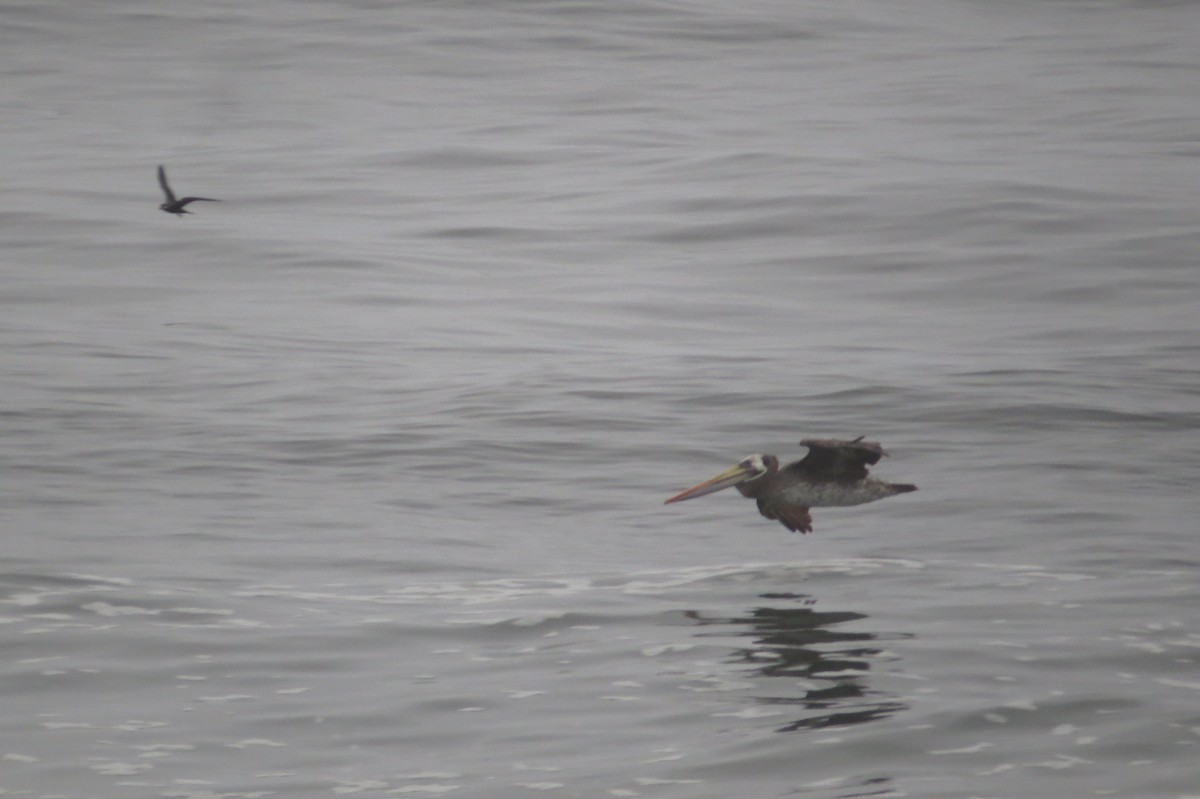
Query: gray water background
x=352 y=483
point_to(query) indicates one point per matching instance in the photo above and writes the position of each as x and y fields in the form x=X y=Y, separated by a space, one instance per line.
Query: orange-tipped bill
x=726 y=479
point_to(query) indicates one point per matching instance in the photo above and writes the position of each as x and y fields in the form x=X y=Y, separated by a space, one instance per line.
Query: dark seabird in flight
x=172 y=205
x=832 y=475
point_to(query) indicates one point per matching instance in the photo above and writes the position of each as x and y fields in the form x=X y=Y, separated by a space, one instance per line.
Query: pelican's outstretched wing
x=792 y=516
x=833 y=461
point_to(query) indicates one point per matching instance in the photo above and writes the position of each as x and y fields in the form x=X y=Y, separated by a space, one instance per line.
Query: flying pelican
x=172 y=205
x=832 y=475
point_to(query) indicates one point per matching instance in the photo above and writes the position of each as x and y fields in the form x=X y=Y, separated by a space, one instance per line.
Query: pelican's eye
x=754 y=465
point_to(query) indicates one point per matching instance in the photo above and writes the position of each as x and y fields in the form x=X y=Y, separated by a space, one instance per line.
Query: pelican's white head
x=755 y=466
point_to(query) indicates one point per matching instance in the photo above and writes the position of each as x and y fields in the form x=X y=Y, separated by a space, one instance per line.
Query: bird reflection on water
x=804 y=644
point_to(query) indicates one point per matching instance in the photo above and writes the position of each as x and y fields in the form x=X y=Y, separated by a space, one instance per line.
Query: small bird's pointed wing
x=187 y=200
x=162 y=181
x=830 y=460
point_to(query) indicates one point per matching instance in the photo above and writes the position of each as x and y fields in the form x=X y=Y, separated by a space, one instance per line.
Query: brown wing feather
x=794 y=517
x=831 y=460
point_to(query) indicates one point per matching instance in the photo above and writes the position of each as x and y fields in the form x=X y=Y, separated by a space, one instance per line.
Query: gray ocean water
x=352 y=483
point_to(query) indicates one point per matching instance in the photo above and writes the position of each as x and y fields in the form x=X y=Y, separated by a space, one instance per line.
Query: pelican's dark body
x=832 y=475
x=173 y=205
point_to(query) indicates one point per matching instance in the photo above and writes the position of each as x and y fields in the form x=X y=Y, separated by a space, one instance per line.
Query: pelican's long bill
x=726 y=479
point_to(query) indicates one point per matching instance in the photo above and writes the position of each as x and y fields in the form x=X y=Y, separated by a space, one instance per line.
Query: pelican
x=172 y=205
x=832 y=475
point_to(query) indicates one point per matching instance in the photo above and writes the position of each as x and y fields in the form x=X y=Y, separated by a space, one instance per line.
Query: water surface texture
x=352 y=483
